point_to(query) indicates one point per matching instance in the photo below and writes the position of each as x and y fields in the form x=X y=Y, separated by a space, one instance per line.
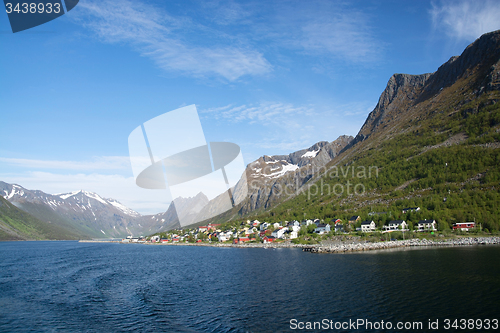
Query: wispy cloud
x=345 y=36
x=265 y=113
x=281 y=128
x=327 y=28
x=161 y=37
x=98 y=163
x=228 y=40
x=466 y=20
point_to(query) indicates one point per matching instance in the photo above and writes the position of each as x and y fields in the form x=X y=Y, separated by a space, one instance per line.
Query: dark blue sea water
x=104 y=287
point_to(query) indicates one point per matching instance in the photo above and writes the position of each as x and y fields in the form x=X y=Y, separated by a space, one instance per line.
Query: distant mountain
x=271 y=179
x=187 y=208
x=278 y=177
x=86 y=212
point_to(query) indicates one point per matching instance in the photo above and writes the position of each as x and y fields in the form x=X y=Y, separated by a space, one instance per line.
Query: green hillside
x=454 y=183
x=16 y=224
x=432 y=141
x=440 y=153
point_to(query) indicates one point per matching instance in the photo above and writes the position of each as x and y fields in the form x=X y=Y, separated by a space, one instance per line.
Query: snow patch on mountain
x=15 y=190
x=124 y=209
x=311 y=154
x=284 y=169
x=66 y=195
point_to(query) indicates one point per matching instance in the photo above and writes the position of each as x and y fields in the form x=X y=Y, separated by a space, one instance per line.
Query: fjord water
x=105 y=287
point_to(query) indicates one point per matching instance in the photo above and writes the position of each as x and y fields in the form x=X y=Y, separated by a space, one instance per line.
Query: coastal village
x=254 y=231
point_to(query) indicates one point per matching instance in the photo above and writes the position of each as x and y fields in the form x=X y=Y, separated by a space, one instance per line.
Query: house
x=336 y=221
x=262 y=233
x=278 y=233
x=276 y=225
x=269 y=239
x=241 y=240
x=339 y=227
x=251 y=231
x=322 y=229
x=294 y=234
x=317 y=222
x=223 y=237
x=396 y=225
x=354 y=219
x=255 y=223
x=155 y=239
x=164 y=240
x=307 y=222
x=368 y=226
x=426 y=225
x=212 y=226
x=410 y=209
x=264 y=226
x=202 y=228
x=465 y=226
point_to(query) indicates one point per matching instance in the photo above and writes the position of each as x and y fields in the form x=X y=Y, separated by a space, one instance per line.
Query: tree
x=311 y=228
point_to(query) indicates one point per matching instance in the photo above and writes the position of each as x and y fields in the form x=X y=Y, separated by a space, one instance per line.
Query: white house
x=426 y=225
x=223 y=237
x=276 y=225
x=322 y=229
x=410 y=209
x=368 y=226
x=396 y=225
x=278 y=233
x=264 y=226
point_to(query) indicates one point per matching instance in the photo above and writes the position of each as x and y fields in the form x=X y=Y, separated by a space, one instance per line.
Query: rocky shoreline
x=356 y=247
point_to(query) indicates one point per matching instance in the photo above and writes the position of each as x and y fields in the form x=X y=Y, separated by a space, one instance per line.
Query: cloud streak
x=161 y=37
x=99 y=163
x=265 y=113
x=230 y=41
x=466 y=20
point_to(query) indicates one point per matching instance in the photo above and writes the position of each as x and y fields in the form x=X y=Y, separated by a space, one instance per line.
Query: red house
x=269 y=239
x=241 y=240
x=464 y=225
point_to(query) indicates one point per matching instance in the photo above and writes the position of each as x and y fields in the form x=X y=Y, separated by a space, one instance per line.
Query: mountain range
x=433 y=139
x=83 y=214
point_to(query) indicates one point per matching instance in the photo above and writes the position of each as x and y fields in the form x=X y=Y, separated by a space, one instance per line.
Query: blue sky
x=271 y=76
